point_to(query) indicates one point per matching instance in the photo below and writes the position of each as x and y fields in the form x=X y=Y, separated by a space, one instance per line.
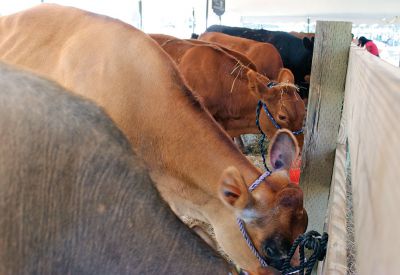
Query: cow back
x=264 y=55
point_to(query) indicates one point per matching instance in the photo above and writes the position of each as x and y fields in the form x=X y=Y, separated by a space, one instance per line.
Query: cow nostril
x=275 y=247
x=272 y=253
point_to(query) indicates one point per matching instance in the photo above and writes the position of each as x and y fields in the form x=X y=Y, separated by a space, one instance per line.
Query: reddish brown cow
x=264 y=55
x=231 y=90
x=194 y=164
x=241 y=57
x=177 y=47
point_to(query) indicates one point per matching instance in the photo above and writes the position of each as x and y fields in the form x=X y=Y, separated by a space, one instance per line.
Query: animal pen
x=351 y=155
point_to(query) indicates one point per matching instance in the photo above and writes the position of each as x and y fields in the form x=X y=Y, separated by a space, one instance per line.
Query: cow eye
x=282 y=117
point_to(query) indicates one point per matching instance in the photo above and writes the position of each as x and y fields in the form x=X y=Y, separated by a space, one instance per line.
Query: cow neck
x=199 y=150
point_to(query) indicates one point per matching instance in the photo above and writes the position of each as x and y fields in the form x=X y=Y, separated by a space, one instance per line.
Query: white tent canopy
x=312 y=7
x=154 y=11
x=374 y=19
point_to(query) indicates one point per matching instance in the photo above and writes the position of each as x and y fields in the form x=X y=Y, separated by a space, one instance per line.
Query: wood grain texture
x=335 y=261
x=323 y=116
x=336 y=220
x=372 y=113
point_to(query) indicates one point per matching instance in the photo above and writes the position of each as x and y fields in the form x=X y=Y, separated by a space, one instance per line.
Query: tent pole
x=206 y=14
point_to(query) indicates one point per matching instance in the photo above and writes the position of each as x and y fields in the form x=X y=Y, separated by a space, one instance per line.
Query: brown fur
x=230 y=90
x=74 y=197
x=264 y=55
x=128 y=74
x=181 y=45
x=241 y=57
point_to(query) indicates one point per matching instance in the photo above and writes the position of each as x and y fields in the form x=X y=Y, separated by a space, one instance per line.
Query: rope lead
x=311 y=240
x=262 y=139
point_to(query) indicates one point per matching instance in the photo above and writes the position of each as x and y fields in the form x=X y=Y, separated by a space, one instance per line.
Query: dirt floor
x=252 y=149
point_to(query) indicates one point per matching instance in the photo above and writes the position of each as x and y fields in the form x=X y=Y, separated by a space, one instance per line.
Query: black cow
x=296 y=53
x=75 y=199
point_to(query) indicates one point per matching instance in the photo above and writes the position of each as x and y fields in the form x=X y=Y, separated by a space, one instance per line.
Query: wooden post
x=329 y=66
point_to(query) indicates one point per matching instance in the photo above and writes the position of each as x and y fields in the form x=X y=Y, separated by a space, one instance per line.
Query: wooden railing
x=367 y=170
x=351 y=155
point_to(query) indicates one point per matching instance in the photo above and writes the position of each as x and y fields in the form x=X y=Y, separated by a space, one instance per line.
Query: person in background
x=354 y=39
x=369 y=45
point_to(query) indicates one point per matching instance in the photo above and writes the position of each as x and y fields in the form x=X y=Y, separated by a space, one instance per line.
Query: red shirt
x=372 y=48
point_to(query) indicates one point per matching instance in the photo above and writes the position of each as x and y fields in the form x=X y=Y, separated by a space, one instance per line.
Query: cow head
x=282 y=100
x=273 y=212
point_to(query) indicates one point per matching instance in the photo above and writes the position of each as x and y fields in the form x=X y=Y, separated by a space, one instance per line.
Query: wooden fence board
x=336 y=258
x=372 y=112
x=329 y=67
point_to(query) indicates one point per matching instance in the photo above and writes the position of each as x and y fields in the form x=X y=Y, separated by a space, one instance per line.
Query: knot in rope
x=311 y=240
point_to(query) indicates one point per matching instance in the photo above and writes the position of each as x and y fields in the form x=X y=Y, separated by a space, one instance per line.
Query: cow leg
x=239 y=143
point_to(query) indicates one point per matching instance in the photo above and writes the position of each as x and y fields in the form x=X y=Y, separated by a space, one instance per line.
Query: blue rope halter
x=270 y=116
x=268 y=113
x=240 y=222
x=262 y=105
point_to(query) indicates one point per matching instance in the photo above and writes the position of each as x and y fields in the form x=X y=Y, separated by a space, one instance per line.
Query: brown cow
x=194 y=164
x=74 y=197
x=171 y=42
x=264 y=55
x=241 y=57
x=231 y=90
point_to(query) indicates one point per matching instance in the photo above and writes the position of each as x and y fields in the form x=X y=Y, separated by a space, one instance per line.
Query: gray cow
x=75 y=199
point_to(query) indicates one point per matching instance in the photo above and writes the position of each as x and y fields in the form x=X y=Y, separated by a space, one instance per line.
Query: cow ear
x=232 y=189
x=285 y=76
x=258 y=84
x=253 y=83
x=308 y=44
x=233 y=193
x=283 y=150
